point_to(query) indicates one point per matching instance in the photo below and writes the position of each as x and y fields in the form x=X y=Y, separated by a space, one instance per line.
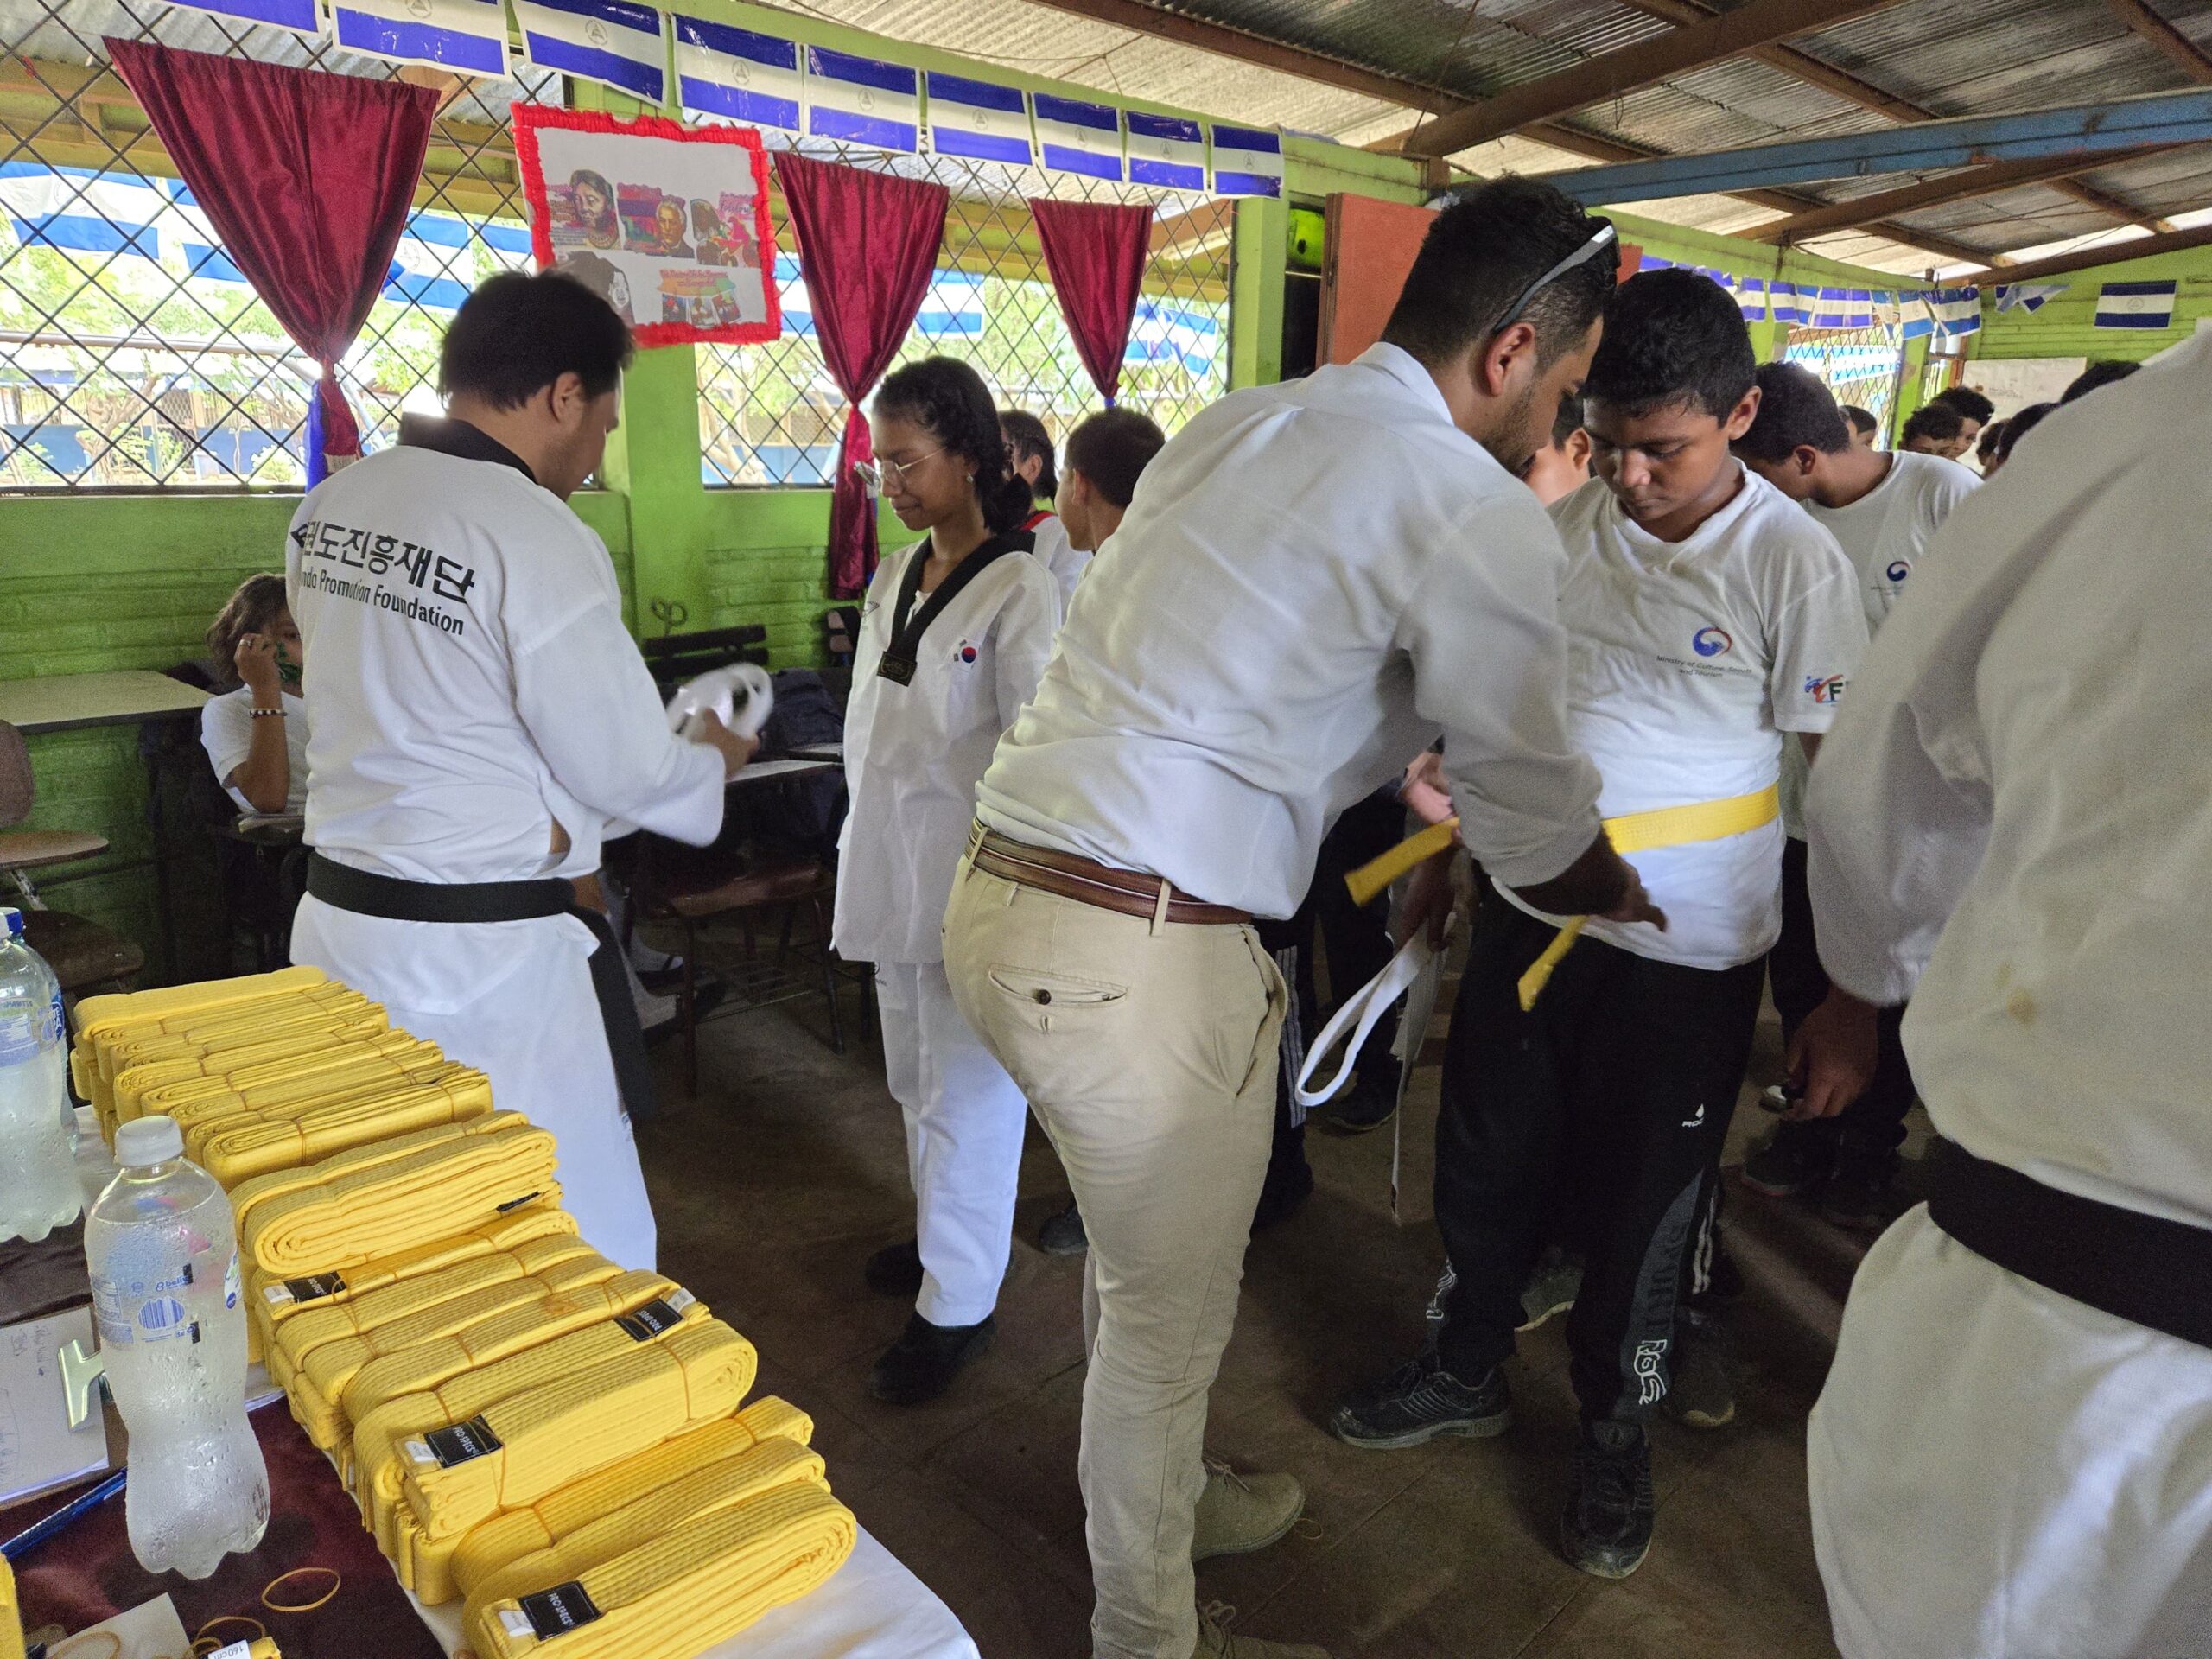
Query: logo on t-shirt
x=967 y=652
x=1899 y=570
x=1829 y=690
x=1712 y=642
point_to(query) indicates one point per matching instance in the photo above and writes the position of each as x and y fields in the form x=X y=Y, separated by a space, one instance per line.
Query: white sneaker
x=1238 y=1514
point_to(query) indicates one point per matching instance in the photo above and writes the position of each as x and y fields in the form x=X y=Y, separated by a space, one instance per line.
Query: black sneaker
x=896 y=1269
x=1700 y=1372
x=1795 y=1157
x=1863 y=1198
x=922 y=1363
x=1372 y=1101
x=1063 y=1235
x=1419 y=1400
x=1605 y=1528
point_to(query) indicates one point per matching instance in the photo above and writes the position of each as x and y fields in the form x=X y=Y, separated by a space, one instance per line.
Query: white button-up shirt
x=2020 y=781
x=1315 y=581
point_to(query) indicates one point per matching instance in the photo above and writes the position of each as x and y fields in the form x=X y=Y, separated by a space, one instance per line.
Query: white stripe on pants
x=1149 y=1054
x=964 y=1120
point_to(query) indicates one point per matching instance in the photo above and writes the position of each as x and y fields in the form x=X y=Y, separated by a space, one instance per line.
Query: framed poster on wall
x=668 y=225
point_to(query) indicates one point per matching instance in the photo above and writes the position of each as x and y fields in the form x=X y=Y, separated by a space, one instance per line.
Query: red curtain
x=1095 y=253
x=307 y=178
x=866 y=244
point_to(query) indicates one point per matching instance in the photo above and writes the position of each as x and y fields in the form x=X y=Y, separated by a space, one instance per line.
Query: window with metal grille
x=133 y=354
x=1859 y=366
x=771 y=414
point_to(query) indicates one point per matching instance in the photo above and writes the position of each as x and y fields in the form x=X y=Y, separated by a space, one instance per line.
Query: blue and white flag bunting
x=1161 y=333
x=2136 y=305
x=1167 y=150
x=2027 y=296
x=863 y=101
x=978 y=119
x=1956 y=311
x=1841 y=307
x=301 y=17
x=953 y=307
x=725 y=71
x=1075 y=137
x=80 y=212
x=615 y=43
x=1245 y=162
x=465 y=35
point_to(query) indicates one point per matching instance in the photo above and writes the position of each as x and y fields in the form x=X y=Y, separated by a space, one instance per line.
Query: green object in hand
x=288 y=672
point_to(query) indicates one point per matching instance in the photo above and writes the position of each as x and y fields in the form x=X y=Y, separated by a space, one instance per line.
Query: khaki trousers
x=1147 y=1051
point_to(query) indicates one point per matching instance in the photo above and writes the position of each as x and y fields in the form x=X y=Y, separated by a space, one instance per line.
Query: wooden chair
x=83 y=955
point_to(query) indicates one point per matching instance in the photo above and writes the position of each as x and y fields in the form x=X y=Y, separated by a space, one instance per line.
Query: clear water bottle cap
x=146 y=1141
x=11 y=921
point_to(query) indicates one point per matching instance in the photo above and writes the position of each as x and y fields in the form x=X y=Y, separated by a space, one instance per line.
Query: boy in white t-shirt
x=1882 y=509
x=1706 y=616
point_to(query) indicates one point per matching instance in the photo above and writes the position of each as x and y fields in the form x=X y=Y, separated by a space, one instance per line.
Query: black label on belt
x=516 y=1204
x=314 y=1289
x=564 y=1607
x=463 y=1441
x=647 y=1322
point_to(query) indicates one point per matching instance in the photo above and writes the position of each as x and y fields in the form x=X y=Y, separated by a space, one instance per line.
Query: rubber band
x=70 y=1645
x=260 y=1629
x=336 y=1580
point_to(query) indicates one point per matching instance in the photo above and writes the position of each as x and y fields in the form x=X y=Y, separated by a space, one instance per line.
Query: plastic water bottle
x=164 y=1263
x=38 y=1167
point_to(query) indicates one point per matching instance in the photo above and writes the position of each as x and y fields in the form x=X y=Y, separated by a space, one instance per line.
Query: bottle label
x=236 y=1650
x=230 y=1282
x=135 y=1311
x=24 y=1033
x=462 y=1442
x=564 y=1607
x=647 y=1322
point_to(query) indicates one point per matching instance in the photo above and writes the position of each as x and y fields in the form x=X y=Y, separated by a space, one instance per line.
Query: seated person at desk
x=255 y=729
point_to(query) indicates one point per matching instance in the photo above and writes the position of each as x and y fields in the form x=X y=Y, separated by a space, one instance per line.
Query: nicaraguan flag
x=433 y=265
x=81 y=211
x=1074 y=136
x=953 y=307
x=1169 y=334
x=613 y=41
x=2136 y=305
x=1956 y=311
x=2027 y=296
x=466 y=35
x=1841 y=307
x=863 y=101
x=1245 y=162
x=298 y=16
x=1785 y=302
x=1167 y=151
x=978 y=119
x=721 y=70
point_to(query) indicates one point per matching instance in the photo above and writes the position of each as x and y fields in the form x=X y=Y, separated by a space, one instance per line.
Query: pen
x=39 y=1531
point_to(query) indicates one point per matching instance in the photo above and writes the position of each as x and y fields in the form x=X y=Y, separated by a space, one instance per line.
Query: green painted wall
x=2065 y=324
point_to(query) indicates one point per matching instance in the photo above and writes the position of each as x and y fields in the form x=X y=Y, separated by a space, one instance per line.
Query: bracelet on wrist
x=266 y=714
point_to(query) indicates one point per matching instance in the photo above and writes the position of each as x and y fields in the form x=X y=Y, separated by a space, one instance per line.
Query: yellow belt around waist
x=560 y=1515
x=701 y=1585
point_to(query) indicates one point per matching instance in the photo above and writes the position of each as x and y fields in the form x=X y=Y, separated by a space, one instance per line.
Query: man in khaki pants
x=1313 y=581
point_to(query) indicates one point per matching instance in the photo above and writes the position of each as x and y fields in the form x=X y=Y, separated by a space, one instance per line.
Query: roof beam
x=1727 y=34
x=1930 y=193
x=2122 y=124
x=2111 y=253
x=2187 y=57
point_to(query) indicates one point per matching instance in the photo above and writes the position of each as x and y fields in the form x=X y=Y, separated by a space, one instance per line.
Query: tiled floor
x=776 y=1183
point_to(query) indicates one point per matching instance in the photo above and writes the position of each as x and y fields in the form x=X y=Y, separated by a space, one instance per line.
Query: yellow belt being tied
x=699 y=1586
x=1632 y=832
x=392 y=1194
x=703 y=1491
x=561 y=1515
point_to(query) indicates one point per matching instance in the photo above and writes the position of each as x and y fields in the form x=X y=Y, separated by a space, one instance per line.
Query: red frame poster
x=669 y=223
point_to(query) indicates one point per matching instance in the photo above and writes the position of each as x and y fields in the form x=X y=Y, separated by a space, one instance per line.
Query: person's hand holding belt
x=736 y=749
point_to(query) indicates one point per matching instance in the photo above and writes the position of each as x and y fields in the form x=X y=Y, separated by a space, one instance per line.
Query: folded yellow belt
x=11 y=1623
x=276 y=1300
x=289 y=1084
x=235 y=1150
x=560 y=1515
x=100 y=1019
x=704 y=1491
x=167 y=1061
x=392 y=1194
x=123 y=1048
x=395 y=1321
x=679 y=1595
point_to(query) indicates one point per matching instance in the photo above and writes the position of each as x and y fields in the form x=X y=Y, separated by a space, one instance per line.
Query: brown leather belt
x=1088 y=882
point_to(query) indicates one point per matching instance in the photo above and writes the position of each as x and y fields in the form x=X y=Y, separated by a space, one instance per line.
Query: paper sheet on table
x=37 y=1449
x=872 y=1608
x=149 y=1630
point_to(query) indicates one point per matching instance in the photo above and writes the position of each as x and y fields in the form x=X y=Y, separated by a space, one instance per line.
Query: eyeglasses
x=876 y=475
x=1582 y=255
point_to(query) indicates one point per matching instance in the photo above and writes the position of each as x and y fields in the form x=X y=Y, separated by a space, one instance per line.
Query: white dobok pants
x=964 y=1122
x=2001 y=1472
x=513 y=1000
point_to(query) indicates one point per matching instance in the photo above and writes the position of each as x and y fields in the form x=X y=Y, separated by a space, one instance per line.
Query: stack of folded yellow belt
x=676 y=1595
x=278 y=1299
x=705 y=1490
x=392 y=1194
x=104 y=1022
x=235 y=1149
x=290 y=1084
x=11 y=1623
x=209 y=1053
x=389 y=1324
x=558 y=1516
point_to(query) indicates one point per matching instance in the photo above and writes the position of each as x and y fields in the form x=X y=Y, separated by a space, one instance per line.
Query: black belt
x=347 y=889
x=2143 y=1269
